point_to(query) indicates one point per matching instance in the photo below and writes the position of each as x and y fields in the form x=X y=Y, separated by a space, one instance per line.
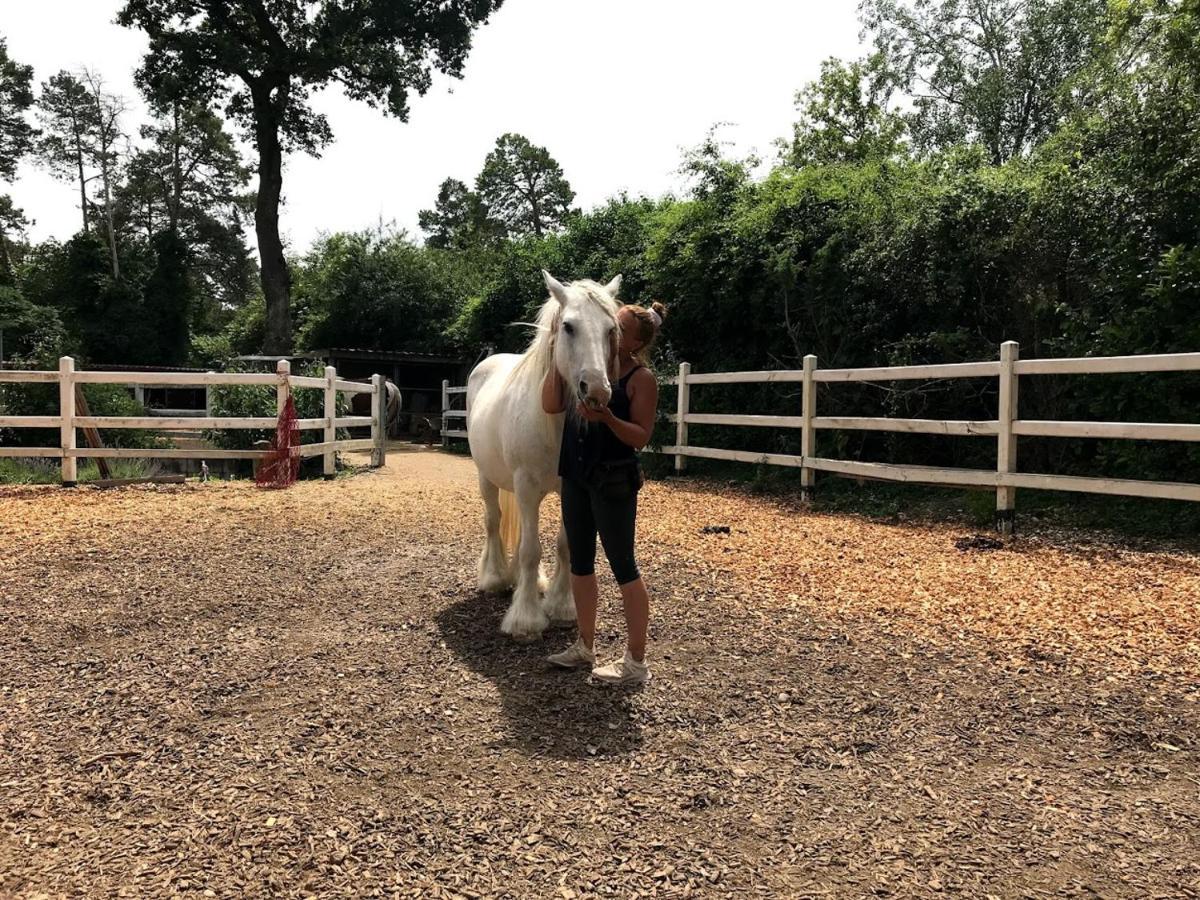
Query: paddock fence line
x=68 y=420
x=1004 y=429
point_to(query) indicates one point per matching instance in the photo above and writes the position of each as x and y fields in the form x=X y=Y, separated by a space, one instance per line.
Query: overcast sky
x=615 y=89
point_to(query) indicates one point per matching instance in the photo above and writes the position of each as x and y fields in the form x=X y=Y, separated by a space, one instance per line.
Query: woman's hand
x=603 y=414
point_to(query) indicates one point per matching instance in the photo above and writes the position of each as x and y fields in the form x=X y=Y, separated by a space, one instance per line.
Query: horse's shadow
x=547 y=712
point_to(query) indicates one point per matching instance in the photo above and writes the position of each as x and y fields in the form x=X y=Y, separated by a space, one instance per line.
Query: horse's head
x=584 y=327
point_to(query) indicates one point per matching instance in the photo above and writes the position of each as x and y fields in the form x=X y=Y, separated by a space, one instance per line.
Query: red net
x=281 y=466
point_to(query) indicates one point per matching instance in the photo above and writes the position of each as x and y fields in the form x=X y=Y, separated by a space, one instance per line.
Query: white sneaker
x=627 y=671
x=577 y=656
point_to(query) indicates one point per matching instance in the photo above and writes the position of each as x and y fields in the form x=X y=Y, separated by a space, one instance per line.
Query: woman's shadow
x=547 y=711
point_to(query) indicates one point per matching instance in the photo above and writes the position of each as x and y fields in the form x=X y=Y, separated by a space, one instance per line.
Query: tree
x=16 y=96
x=12 y=222
x=81 y=123
x=846 y=115
x=459 y=220
x=523 y=187
x=995 y=72
x=68 y=121
x=190 y=182
x=266 y=57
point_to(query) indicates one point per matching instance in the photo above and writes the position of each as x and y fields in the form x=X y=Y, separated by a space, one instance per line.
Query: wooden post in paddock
x=284 y=370
x=1006 y=445
x=681 y=409
x=66 y=412
x=808 y=433
x=379 y=421
x=329 y=457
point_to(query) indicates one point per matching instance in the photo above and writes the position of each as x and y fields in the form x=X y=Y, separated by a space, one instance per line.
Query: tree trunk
x=108 y=214
x=276 y=280
x=82 y=177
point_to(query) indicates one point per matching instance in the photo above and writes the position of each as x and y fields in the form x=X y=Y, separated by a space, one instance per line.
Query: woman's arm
x=553 y=401
x=642 y=405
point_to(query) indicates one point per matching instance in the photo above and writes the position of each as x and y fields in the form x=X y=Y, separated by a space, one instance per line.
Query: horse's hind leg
x=560 y=605
x=495 y=574
x=525 y=619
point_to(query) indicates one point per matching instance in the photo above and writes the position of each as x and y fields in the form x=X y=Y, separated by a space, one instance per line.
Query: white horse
x=515 y=444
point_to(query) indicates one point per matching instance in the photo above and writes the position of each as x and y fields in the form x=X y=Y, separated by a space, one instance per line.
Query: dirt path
x=217 y=689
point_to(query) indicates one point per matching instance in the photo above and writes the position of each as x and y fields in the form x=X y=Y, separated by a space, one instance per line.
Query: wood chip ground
x=213 y=690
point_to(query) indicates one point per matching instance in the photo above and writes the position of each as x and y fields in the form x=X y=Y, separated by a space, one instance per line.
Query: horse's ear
x=557 y=291
x=613 y=286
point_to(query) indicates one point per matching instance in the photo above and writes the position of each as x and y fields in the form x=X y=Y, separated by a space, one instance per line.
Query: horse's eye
x=569 y=328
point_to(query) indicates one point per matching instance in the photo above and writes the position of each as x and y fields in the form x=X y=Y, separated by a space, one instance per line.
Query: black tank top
x=586 y=443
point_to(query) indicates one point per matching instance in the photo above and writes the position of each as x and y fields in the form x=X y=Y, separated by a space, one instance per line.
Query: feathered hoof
x=560 y=610
x=495 y=584
x=524 y=622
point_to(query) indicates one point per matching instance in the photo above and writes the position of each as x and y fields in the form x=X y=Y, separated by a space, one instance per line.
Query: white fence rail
x=68 y=380
x=1005 y=428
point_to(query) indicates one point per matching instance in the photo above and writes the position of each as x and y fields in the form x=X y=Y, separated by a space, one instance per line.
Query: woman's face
x=631 y=328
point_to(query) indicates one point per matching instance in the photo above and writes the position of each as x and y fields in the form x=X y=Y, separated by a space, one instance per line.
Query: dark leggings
x=584 y=513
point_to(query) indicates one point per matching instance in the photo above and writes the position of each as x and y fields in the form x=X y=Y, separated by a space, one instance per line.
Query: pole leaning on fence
x=329 y=469
x=1006 y=446
x=379 y=421
x=66 y=412
x=681 y=429
x=808 y=434
x=445 y=406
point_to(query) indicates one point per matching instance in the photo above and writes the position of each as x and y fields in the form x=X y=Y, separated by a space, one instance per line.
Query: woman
x=600 y=481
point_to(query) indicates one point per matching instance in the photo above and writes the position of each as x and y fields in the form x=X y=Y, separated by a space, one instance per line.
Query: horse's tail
x=510 y=521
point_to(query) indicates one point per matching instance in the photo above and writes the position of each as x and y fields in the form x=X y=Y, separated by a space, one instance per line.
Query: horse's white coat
x=515 y=444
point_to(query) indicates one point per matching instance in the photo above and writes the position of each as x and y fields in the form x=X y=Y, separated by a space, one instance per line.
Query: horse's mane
x=537 y=359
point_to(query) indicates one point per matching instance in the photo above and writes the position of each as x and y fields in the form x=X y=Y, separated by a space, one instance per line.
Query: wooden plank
x=909 y=373
x=774 y=459
x=455 y=414
x=1139 y=431
x=354 y=387
x=1108 y=365
x=31 y=452
x=756 y=421
x=915 y=474
x=177 y=379
x=153 y=423
x=353 y=421
x=780 y=375
x=307 y=450
x=30 y=422
x=960 y=427
x=26 y=376
x=456 y=390
x=306 y=381
x=458 y=434
x=1124 y=487
x=379 y=421
x=157 y=453
x=682 y=407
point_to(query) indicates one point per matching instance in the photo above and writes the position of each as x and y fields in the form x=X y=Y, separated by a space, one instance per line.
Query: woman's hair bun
x=660 y=309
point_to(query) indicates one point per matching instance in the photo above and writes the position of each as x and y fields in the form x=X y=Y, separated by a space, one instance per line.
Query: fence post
x=66 y=410
x=378 y=421
x=330 y=468
x=1006 y=449
x=284 y=370
x=445 y=407
x=808 y=434
x=681 y=409
x=208 y=393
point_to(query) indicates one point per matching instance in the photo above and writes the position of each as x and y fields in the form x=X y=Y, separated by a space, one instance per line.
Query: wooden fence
x=1005 y=428
x=68 y=420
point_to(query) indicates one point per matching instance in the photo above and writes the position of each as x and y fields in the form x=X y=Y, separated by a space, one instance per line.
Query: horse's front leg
x=525 y=620
x=560 y=605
